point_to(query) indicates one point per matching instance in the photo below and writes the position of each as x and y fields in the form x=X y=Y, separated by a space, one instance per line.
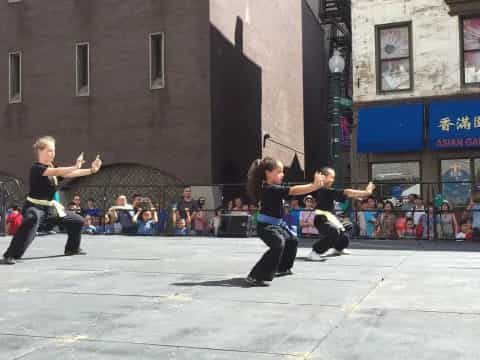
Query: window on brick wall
x=470 y=32
x=157 y=60
x=82 y=72
x=15 y=77
x=394 y=57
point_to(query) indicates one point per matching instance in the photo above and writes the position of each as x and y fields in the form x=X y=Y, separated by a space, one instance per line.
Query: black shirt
x=41 y=187
x=191 y=205
x=273 y=199
x=326 y=198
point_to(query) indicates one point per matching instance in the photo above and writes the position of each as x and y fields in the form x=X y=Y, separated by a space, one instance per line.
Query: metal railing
x=221 y=220
x=8 y=188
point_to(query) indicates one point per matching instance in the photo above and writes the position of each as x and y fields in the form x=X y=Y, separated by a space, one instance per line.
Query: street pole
x=337 y=66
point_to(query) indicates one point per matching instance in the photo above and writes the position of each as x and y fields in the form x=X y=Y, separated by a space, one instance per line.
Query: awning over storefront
x=454 y=124
x=390 y=128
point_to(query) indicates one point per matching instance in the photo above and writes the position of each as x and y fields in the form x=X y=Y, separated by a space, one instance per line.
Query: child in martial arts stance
x=265 y=179
x=40 y=206
x=334 y=233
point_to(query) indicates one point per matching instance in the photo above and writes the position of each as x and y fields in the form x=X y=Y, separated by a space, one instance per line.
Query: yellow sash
x=52 y=203
x=332 y=219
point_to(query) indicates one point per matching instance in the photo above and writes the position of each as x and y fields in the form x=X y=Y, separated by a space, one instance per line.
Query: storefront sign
x=454 y=124
x=397 y=128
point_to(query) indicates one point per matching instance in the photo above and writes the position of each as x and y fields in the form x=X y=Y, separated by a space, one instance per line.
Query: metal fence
x=219 y=217
x=10 y=189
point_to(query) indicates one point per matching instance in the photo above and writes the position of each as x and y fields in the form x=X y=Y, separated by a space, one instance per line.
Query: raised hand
x=96 y=164
x=370 y=188
x=318 y=179
x=79 y=162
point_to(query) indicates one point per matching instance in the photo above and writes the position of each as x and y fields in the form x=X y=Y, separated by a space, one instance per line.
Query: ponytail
x=256 y=176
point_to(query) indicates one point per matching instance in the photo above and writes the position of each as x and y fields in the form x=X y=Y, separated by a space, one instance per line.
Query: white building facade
x=416 y=88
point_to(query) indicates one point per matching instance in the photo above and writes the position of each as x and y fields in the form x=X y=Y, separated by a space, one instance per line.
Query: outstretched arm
x=351 y=193
x=95 y=167
x=63 y=171
x=309 y=188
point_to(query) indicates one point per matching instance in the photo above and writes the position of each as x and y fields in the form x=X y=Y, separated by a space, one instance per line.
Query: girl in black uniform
x=334 y=233
x=39 y=205
x=265 y=179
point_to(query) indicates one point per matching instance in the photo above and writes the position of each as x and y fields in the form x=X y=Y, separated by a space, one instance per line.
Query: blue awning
x=390 y=128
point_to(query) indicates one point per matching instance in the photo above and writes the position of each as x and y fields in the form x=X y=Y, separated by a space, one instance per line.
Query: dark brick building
x=189 y=87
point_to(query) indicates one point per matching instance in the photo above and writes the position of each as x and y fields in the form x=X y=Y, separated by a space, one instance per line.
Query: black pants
x=280 y=256
x=331 y=236
x=33 y=216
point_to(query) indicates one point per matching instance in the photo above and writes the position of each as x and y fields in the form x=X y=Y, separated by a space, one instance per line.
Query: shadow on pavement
x=407 y=245
x=233 y=282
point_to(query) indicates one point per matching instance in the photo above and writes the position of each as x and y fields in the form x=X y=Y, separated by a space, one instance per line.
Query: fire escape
x=336 y=18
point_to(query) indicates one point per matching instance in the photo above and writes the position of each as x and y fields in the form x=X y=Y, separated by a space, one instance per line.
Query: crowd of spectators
x=414 y=220
x=372 y=218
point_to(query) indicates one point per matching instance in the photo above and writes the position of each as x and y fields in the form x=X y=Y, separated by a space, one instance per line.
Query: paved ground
x=177 y=298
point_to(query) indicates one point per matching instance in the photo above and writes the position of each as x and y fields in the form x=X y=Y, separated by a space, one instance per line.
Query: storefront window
x=456 y=178
x=397 y=180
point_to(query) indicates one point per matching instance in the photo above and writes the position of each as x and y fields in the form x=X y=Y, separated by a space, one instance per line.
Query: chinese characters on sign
x=462 y=123
x=461 y=132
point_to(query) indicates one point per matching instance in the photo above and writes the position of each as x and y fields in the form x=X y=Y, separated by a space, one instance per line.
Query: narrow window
x=15 y=83
x=157 y=61
x=82 y=69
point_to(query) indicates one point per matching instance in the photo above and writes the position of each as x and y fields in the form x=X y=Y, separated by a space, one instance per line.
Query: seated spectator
x=466 y=232
x=386 y=222
x=136 y=199
x=401 y=225
x=418 y=211
x=122 y=203
x=410 y=231
x=307 y=218
x=252 y=209
x=91 y=209
x=473 y=211
x=200 y=222
x=88 y=227
x=162 y=220
x=237 y=204
x=426 y=224
x=73 y=207
x=295 y=211
x=380 y=208
x=362 y=224
x=185 y=205
x=124 y=213
x=14 y=220
x=367 y=218
x=229 y=206
x=146 y=221
x=181 y=228
x=409 y=204
x=446 y=222
x=111 y=224
x=216 y=221
x=77 y=207
x=287 y=217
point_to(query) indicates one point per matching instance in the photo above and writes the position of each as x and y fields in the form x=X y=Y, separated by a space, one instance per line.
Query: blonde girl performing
x=40 y=206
